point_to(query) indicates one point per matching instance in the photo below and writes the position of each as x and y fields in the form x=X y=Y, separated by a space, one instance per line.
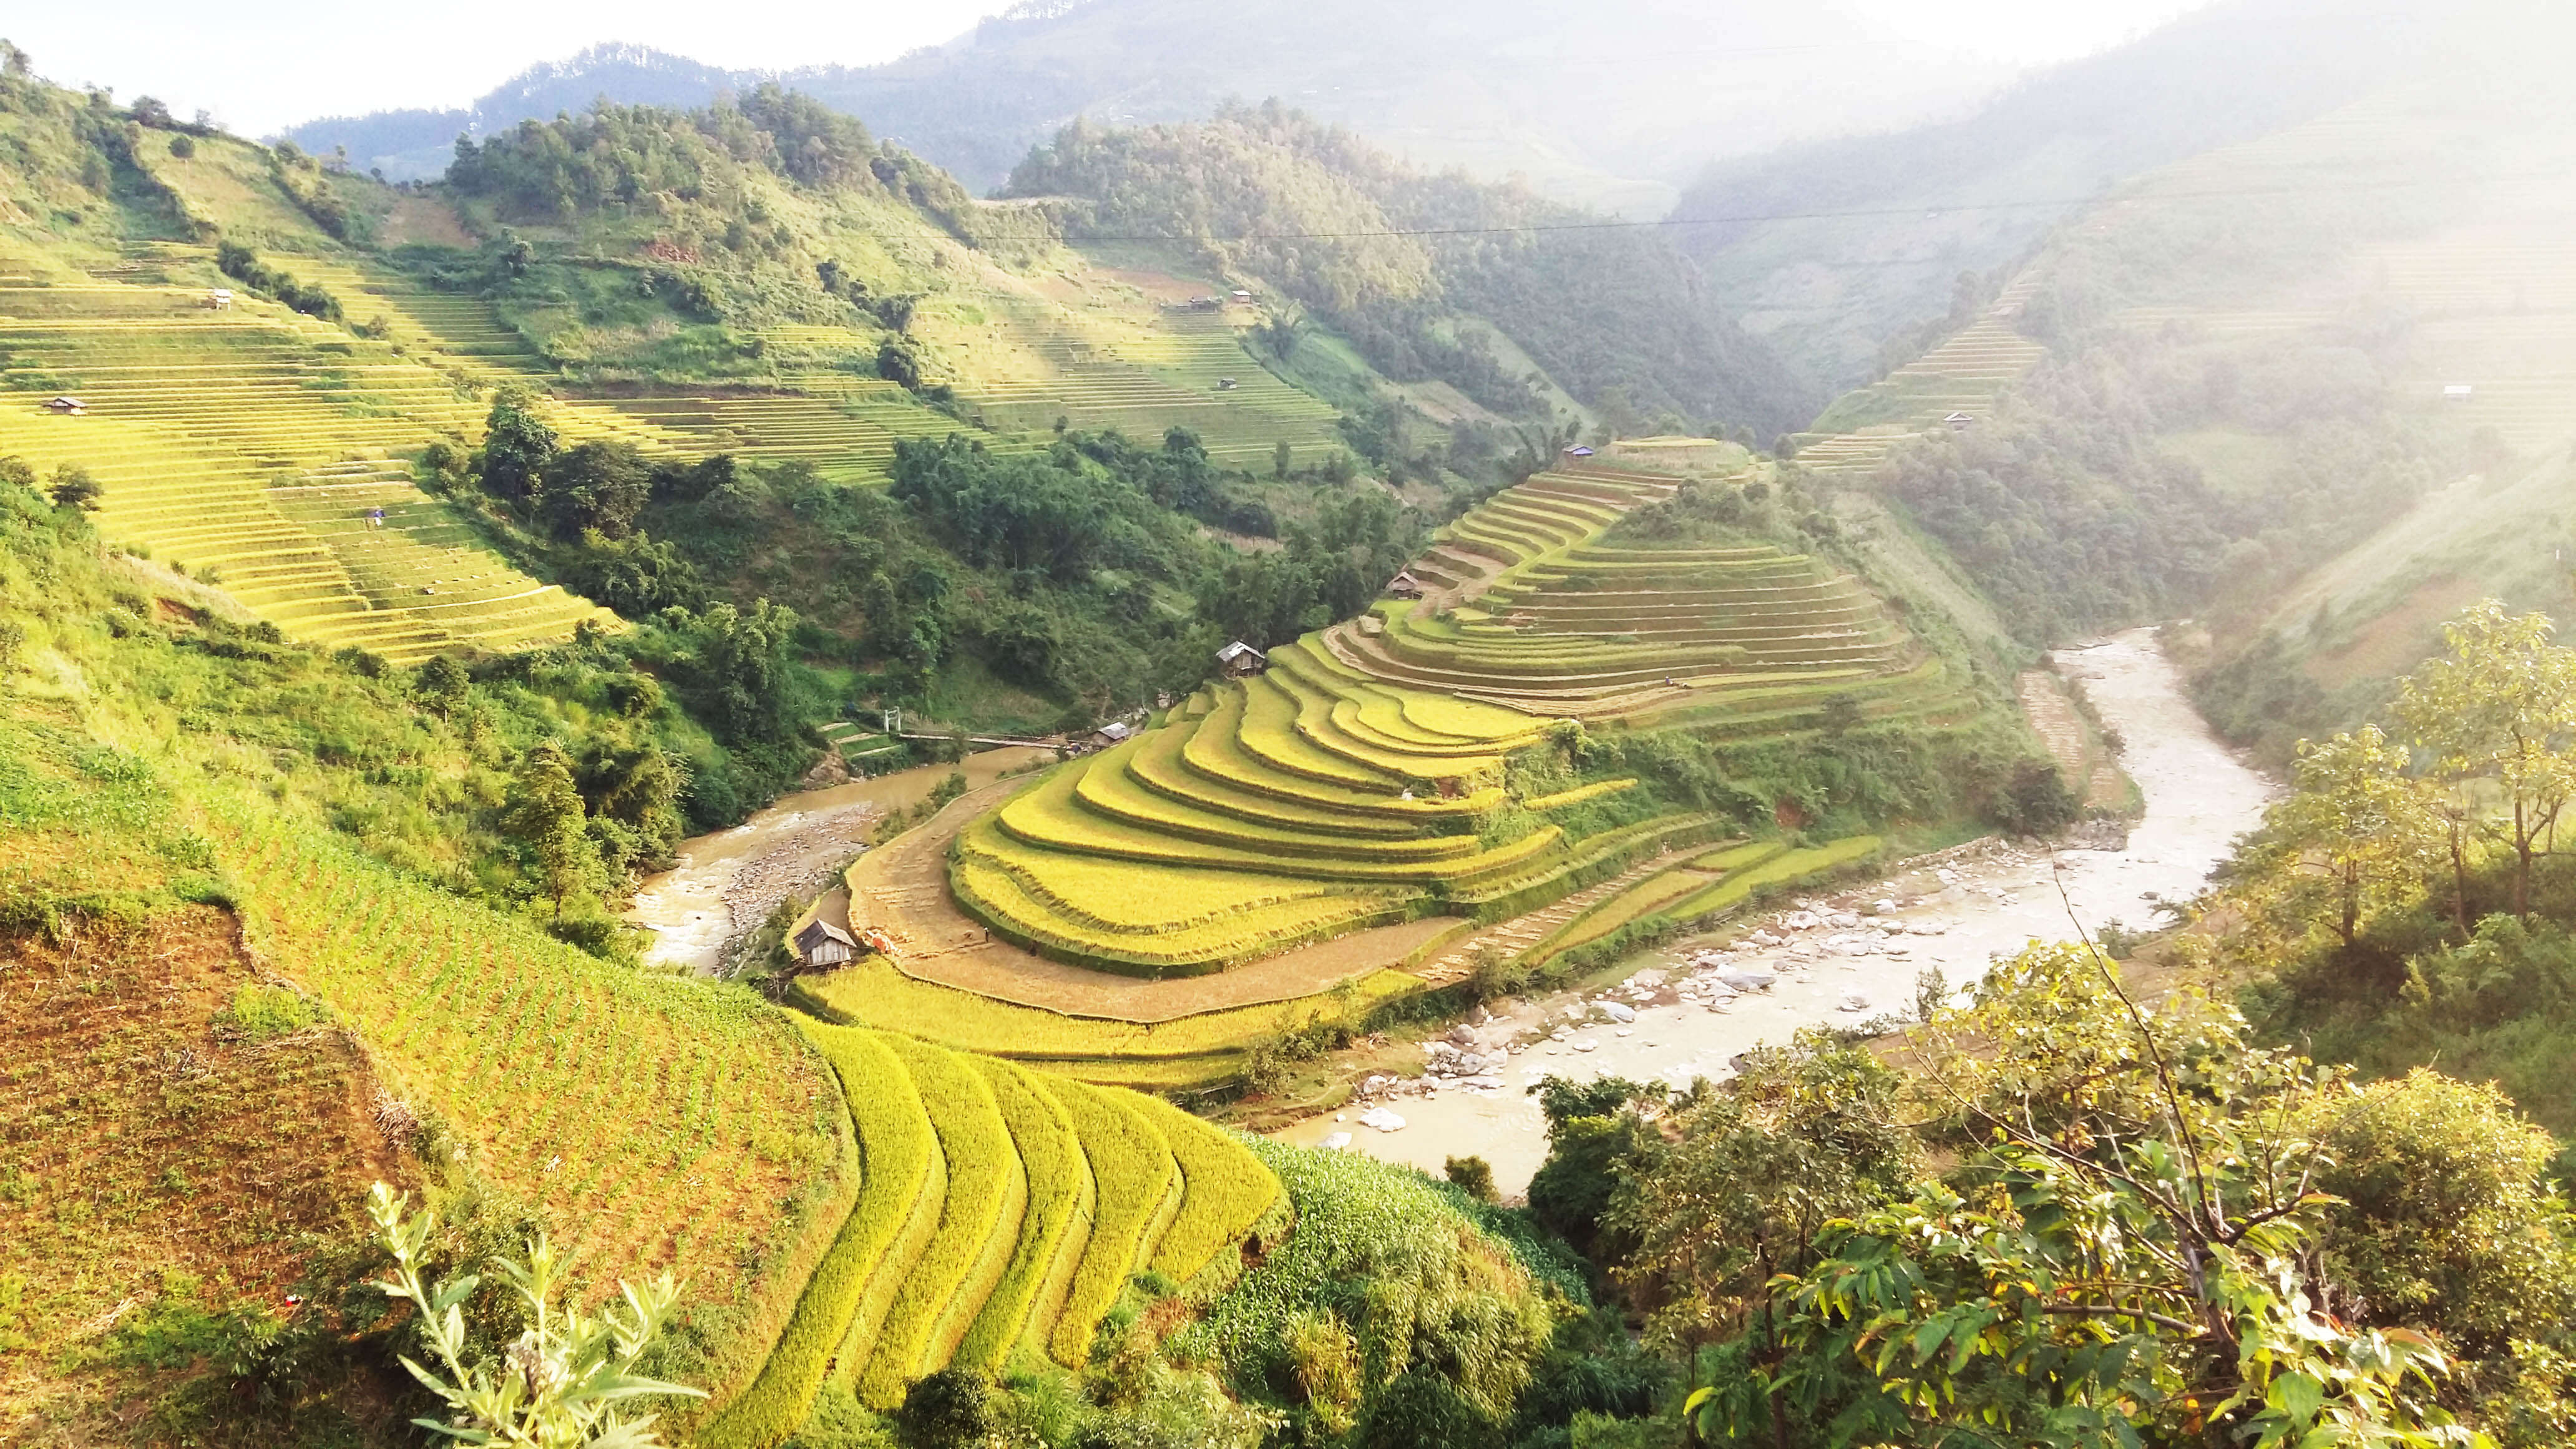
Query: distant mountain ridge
x=1609 y=106
x=416 y=145
x=1829 y=249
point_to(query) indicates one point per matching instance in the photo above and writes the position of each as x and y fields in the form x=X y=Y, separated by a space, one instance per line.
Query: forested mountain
x=1828 y=249
x=1390 y=256
x=1606 y=105
x=2312 y=389
x=416 y=145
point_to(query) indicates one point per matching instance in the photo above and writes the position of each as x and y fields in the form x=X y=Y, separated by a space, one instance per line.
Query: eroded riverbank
x=727 y=883
x=2198 y=798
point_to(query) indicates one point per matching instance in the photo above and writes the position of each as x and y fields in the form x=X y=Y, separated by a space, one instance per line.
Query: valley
x=678 y=777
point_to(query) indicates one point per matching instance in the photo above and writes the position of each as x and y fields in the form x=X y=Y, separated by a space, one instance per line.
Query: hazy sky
x=265 y=66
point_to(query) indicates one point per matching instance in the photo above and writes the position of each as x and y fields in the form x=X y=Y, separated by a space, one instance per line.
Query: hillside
x=1832 y=251
x=312 y=446
x=1608 y=108
x=2226 y=391
x=1403 y=262
x=1623 y=700
x=848 y=1210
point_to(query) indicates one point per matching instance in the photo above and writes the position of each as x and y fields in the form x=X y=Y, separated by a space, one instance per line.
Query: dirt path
x=902 y=889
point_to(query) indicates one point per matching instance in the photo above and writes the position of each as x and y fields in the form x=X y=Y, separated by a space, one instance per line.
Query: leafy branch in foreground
x=2128 y=1252
x=563 y=1383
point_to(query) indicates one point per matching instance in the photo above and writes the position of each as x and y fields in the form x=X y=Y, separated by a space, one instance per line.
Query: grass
x=1358 y=762
x=1202 y=1049
x=1227 y=1191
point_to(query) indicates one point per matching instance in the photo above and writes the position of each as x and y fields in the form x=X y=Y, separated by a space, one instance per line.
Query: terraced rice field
x=1963 y=375
x=1556 y=622
x=1143 y=381
x=253 y=446
x=1002 y=1213
x=1356 y=784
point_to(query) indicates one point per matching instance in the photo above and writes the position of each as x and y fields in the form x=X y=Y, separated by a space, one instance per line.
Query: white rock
x=1854 y=1001
x=1624 y=1031
x=1585 y=1045
x=1381 y=1120
x=1616 y=1012
x=1336 y=1142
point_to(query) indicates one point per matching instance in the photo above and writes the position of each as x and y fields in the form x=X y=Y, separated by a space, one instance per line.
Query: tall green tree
x=546 y=816
x=2500 y=707
x=2355 y=836
x=517 y=445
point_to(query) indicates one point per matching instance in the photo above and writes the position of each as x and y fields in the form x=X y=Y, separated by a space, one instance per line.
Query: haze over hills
x=1828 y=249
x=1609 y=105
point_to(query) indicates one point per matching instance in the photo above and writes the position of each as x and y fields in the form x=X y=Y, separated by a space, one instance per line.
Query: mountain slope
x=1605 y=107
x=1875 y=230
x=1392 y=257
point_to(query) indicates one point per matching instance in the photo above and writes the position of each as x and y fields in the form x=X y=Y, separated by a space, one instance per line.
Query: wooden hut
x=822 y=945
x=1239 y=659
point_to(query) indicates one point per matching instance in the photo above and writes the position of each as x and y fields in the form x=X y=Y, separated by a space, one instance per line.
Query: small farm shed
x=1116 y=732
x=1242 y=298
x=221 y=299
x=1578 y=454
x=65 y=405
x=1958 y=422
x=823 y=944
x=1239 y=659
x=1404 y=586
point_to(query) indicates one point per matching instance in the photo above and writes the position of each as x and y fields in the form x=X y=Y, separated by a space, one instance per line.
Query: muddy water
x=728 y=882
x=1993 y=900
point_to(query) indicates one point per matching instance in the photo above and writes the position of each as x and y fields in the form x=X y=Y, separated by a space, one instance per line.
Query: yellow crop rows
x=1001 y=1214
x=1359 y=780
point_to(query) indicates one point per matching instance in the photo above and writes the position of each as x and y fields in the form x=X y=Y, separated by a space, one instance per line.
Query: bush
x=949 y=1409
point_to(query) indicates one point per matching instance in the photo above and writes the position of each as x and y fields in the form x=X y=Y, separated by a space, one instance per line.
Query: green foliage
x=1424 y=1294
x=2445 y=1216
x=260 y=1012
x=567 y=1381
x=1612 y=313
x=2116 y=1258
x=244 y=266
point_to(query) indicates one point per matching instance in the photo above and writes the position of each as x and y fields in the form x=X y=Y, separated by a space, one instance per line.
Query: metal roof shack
x=823 y=944
x=1239 y=659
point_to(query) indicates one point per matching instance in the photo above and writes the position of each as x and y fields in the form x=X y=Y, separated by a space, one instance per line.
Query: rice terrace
x=1126 y=724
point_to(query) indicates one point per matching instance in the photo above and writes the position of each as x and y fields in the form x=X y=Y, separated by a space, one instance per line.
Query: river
x=1994 y=900
x=728 y=882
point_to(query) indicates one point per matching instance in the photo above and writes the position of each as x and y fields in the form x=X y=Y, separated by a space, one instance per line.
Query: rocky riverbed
x=1848 y=958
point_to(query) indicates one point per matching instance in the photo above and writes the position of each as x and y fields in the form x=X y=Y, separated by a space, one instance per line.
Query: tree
x=1281 y=456
x=441 y=683
x=17 y=472
x=1808 y=1134
x=2354 y=836
x=2501 y=706
x=2127 y=1254
x=951 y=1408
x=567 y=1382
x=595 y=487
x=546 y=815
x=74 y=488
x=517 y=445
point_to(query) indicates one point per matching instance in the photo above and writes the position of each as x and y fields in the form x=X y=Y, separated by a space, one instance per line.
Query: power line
x=1743 y=219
